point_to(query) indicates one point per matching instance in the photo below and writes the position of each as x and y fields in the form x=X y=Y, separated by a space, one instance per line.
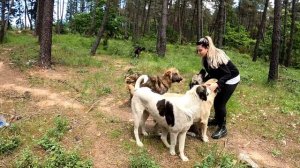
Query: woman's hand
x=212 y=86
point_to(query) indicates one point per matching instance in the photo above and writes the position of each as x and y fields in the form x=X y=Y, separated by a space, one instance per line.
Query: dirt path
x=106 y=152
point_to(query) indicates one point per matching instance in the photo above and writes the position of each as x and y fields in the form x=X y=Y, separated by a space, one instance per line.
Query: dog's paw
x=172 y=152
x=205 y=139
x=184 y=158
x=140 y=144
x=145 y=133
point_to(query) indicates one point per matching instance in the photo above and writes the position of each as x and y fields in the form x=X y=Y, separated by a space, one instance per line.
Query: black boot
x=212 y=122
x=221 y=132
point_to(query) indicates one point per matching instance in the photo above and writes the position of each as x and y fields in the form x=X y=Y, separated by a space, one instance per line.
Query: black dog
x=138 y=50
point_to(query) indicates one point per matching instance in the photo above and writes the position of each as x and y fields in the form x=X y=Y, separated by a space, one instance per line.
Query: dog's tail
x=143 y=78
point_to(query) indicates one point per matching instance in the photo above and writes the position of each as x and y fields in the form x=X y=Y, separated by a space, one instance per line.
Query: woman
x=218 y=65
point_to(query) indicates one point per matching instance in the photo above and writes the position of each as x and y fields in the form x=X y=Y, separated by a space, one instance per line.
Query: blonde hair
x=215 y=56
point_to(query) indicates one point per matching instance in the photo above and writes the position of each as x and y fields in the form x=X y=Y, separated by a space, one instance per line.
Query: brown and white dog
x=175 y=114
x=158 y=84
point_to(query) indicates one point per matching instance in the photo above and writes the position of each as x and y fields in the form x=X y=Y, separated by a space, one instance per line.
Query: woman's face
x=202 y=51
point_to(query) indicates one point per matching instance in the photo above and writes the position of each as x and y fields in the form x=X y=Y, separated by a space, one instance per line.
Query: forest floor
x=103 y=131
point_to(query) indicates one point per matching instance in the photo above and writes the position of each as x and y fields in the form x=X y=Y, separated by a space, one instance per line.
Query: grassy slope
x=258 y=109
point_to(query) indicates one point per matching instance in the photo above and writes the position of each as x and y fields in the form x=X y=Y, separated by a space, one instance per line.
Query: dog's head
x=173 y=74
x=198 y=79
x=202 y=92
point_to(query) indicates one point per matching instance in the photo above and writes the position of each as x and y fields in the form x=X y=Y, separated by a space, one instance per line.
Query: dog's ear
x=202 y=92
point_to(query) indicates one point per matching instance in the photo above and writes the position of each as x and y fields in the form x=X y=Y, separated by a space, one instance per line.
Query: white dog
x=174 y=113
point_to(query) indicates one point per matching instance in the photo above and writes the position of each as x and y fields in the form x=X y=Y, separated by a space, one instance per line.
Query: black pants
x=220 y=103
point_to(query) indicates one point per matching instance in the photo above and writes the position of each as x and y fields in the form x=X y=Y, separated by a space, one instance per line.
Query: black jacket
x=223 y=73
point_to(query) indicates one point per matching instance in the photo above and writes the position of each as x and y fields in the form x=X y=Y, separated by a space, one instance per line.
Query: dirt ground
x=109 y=152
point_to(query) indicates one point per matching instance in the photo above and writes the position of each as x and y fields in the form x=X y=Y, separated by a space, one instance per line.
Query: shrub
x=27 y=159
x=7 y=146
x=239 y=39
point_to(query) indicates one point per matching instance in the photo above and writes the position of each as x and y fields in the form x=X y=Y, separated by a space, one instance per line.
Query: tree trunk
x=199 y=19
x=46 y=35
x=182 y=19
x=136 y=27
x=143 y=20
x=27 y=13
x=39 y=24
x=8 y=15
x=162 y=37
x=93 y=22
x=288 y=58
x=220 y=24
x=82 y=5
x=61 y=16
x=283 y=44
x=260 y=31
x=273 y=71
x=57 y=16
x=146 y=26
x=101 y=30
x=2 y=30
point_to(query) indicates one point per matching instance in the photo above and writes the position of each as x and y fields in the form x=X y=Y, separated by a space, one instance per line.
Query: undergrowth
x=55 y=154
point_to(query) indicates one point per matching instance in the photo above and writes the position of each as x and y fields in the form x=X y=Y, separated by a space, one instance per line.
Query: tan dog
x=157 y=84
x=175 y=114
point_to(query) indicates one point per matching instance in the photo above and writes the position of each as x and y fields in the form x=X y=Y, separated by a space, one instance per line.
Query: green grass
x=215 y=157
x=68 y=50
x=141 y=160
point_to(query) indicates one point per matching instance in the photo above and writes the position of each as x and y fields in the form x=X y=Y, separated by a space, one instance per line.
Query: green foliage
x=172 y=35
x=239 y=38
x=215 y=158
x=61 y=127
x=7 y=146
x=143 y=160
x=49 y=140
x=48 y=143
x=56 y=155
x=27 y=160
x=84 y=24
x=81 y=23
x=61 y=158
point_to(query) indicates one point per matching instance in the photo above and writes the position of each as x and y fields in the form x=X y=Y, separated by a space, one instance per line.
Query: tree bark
x=162 y=37
x=9 y=12
x=147 y=18
x=46 y=35
x=288 y=58
x=283 y=44
x=199 y=19
x=27 y=13
x=101 y=30
x=136 y=23
x=57 y=16
x=220 y=24
x=39 y=24
x=260 y=31
x=2 y=30
x=274 y=57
